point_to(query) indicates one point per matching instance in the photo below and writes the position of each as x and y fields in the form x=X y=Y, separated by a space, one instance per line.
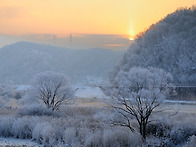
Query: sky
x=50 y=21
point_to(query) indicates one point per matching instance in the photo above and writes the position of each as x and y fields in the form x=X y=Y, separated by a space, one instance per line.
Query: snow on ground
x=22 y=87
x=89 y=92
x=180 y=102
x=18 y=142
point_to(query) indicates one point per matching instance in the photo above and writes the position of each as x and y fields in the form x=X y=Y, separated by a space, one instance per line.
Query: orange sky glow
x=59 y=17
x=84 y=16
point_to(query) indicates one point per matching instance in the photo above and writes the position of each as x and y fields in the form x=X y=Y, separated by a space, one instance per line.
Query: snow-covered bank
x=89 y=92
x=180 y=102
x=18 y=142
x=22 y=87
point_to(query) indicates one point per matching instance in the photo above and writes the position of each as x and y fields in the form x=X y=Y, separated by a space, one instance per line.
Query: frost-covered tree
x=52 y=89
x=137 y=93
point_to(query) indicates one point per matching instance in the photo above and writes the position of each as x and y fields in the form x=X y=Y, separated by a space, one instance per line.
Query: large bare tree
x=137 y=93
x=52 y=89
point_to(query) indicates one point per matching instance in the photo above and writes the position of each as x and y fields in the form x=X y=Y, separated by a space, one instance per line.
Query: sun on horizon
x=131 y=38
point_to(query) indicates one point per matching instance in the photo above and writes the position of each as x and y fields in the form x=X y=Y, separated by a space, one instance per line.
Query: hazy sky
x=62 y=17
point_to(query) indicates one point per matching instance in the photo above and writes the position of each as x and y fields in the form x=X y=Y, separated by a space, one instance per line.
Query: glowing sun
x=131 y=38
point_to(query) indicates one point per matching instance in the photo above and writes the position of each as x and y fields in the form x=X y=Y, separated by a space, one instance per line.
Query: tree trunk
x=142 y=128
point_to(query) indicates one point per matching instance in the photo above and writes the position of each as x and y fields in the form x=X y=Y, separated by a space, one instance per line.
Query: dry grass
x=99 y=103
x=8 y=111
x=181 y=108
x=90 y=102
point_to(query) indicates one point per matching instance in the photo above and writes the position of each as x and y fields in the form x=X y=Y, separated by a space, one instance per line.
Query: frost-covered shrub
x=22 y=128
x=36 y=134
x=9 y=90
x=9 y=95
x=37 y=110
x=191 y=142
x=8 y=102
x=48 y=135
x=94 y=139
x=117 y=137
x=180 y=134
x=155 y=141
x=113 y=137
x=1 y=101
x=171 y=134
x=5 y=126
x=45 y=133
x=158 y=129
x=69 y=137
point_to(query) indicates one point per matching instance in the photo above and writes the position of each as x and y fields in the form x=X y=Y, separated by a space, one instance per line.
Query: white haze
x=21 y=61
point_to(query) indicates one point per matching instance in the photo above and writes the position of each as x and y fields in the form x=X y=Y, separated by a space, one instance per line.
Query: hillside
x=19 y=62
x=169 y=44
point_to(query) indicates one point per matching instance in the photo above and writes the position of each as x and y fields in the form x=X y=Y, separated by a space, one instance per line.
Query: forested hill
x=169 y=44
x=19 y=62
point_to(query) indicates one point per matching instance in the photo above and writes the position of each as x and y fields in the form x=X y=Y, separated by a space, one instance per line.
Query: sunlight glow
x=131 y=38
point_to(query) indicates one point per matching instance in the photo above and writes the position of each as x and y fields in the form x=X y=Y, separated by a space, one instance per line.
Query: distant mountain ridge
x=19 y=62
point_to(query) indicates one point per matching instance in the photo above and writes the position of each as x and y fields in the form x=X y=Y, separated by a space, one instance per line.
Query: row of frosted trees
x=134 y=94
